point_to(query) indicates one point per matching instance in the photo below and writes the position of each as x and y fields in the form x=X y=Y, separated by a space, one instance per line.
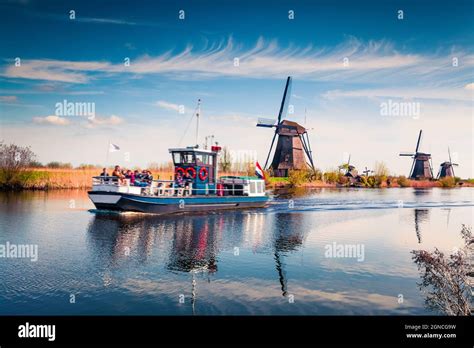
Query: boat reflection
x=192 y=244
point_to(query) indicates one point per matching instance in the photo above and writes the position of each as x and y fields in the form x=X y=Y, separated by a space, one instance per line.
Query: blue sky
x=174 y=62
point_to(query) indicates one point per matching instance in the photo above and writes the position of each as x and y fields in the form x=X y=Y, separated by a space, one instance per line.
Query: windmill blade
x=419 y=141
x=449 y=153
x=285 y=101
x=406 y=154
x=349 y=160
x=266 y=122
x=412 y=167
x=307 y=151
x=270 y=150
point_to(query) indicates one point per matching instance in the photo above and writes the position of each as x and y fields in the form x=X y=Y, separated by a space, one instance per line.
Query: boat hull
x=172 y=205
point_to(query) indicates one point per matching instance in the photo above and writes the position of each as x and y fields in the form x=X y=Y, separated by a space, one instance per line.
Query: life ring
x=192 y=172
x=203 y=174
x=179 y=170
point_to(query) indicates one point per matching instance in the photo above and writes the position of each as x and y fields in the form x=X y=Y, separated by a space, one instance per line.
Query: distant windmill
x=421 y=167
x=367 y=171
x=293 y=141
x=350 y=170
x=447 y=168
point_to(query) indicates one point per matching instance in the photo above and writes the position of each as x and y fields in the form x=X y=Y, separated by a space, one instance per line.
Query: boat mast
x=197 y=121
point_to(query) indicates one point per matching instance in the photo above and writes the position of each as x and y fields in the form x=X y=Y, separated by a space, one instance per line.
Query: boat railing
x=164 y=187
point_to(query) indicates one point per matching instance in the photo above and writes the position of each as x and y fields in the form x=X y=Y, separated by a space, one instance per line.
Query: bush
x=371 y=182
x=332 y=177
x=379 y=180
x=59 y=165
x=402 y=181
x=447 y=182
x=87 y=166
x=381 y=170
x=343 y=180
x=297 y=177
x=14 y=161
x=445 y=279
x=35 y=164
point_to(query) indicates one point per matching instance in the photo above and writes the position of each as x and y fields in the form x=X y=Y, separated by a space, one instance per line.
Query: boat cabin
x=196 y=167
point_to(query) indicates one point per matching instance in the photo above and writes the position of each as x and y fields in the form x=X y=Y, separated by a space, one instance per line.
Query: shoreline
x=44 y=179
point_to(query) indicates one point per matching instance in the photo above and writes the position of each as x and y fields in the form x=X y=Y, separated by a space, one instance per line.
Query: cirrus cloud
x=52 y=120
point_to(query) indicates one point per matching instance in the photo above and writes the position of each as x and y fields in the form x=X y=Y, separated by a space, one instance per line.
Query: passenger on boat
x=179 y=180
x=188 y=180
x=104 y=172
x=118 y=173
x=131 y=176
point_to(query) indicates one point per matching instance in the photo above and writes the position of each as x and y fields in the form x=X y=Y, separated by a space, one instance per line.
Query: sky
x=143 y=65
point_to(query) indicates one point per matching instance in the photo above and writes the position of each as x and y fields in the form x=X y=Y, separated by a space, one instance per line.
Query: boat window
x=201 y=159
x=211 y=161
x=183 y=157
x=253 y=187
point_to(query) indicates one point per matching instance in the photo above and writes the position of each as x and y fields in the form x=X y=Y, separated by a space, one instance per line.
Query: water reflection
x=289 y=236
x=421 y=216
x=193 y=243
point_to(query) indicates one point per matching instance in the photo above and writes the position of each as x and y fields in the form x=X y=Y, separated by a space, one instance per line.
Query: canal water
x=281 y=260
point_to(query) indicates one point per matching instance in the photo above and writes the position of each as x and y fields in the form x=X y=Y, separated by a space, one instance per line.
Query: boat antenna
x=198 y=113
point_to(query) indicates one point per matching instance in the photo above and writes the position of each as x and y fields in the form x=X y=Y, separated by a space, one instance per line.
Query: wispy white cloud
x=104 y=21
x=8 y=98
x=113 y=120
x=54 y=70
x=52 y=120
x=452 y=93
x=93 y=122
x=167 y=106
x=366 y=62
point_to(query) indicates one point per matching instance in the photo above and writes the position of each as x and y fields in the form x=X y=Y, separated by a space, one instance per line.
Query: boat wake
x=311 y=205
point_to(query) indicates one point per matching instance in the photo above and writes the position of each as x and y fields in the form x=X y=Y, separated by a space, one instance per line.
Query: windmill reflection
x=288 y=236
x=421 y=215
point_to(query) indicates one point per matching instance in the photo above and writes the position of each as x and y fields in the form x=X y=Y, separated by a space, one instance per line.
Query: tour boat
x=204 y=192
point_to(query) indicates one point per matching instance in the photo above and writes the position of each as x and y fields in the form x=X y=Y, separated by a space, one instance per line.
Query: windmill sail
x=292 y=146
x=285 y=101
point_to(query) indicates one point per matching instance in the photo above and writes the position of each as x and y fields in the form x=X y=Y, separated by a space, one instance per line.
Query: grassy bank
x=337 y=179
x=64 y=178
x=51 y=178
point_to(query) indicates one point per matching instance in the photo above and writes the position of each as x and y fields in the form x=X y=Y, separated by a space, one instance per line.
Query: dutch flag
x=259 y=171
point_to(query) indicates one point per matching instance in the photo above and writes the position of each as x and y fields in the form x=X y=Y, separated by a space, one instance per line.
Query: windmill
x=293 y=140
x=351 y=171
x=367 y=172
x=421 y=167
x=447 y=168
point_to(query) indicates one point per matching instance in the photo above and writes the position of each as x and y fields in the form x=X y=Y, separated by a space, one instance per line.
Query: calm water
x=269 y=261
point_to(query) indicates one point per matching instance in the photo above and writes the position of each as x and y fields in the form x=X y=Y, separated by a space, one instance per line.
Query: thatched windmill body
x=293 y=147
x=447 y=168
x=421 y=167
